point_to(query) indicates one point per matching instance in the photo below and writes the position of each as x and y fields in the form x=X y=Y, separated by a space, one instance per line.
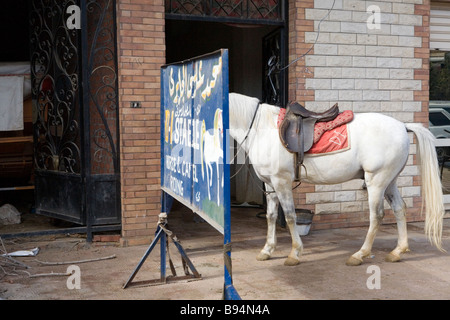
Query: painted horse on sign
x=378 y=153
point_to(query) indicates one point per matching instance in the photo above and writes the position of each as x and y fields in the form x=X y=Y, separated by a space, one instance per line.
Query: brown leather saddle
x=297 y=130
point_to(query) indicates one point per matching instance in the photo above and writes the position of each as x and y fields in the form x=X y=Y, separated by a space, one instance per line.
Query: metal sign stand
x=194 y=97
x=163 y=235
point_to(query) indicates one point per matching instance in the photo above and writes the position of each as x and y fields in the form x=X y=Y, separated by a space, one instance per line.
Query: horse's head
x=242 y=110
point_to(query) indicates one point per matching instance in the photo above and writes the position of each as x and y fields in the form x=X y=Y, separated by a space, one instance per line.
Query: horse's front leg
x=271 y=215
x=286 y=199
x=287 y=202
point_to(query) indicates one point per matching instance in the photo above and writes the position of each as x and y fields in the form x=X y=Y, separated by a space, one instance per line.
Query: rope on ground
x=74 y=262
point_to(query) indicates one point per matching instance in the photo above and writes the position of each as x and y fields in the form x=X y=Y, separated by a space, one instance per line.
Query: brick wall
x=141 y=52
x=366 y=70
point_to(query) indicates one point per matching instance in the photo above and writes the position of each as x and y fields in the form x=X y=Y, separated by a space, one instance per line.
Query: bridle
x=239 y=150
x=245 y=138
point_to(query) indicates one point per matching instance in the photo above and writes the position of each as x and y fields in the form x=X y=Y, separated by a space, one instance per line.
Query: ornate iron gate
x=245 y=11
x=74 y=89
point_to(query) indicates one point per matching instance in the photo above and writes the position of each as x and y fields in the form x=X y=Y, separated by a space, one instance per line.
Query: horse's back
x=380 y=141
x=376 y=130
x=376 y=141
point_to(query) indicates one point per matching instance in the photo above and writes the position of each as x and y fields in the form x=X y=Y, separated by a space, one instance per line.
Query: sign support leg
x=146 y=254
x=162 y=235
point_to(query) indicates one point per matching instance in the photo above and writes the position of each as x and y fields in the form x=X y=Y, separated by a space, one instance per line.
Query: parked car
x=439 y=122
x=439 y=125
x=440 y=104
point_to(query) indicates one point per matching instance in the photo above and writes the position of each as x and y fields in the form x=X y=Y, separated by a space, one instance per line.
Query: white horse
x=378 y=153
x=212 y=152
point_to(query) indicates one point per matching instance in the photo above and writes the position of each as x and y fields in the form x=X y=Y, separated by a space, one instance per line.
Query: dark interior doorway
x=186 y=39
x=16 y=146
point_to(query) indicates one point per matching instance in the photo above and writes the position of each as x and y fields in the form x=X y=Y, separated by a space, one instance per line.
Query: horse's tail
x=431 y=183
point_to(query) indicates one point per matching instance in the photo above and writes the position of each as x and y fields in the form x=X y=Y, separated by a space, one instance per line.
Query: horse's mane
x=244 y=108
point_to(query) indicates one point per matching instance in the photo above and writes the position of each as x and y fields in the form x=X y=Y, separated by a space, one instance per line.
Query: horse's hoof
x=291 y=262
x=391 y=257
x=352 y=261
x=262 y=256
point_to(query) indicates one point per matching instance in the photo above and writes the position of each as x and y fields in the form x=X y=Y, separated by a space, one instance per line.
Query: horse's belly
x=331 y=169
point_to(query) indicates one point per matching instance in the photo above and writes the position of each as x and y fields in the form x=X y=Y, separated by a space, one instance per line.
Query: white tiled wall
x=364 y=70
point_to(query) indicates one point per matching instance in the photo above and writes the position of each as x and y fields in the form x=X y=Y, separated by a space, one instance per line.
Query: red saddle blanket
x=328 y=136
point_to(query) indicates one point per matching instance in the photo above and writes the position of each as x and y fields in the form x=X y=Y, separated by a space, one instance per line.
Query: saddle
x=297 y=130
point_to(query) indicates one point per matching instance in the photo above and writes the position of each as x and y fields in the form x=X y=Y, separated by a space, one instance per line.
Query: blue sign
x=194 y=119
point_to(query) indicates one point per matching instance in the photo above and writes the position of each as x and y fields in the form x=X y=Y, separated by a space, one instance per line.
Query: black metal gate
x=74 y=89
x=274 y=73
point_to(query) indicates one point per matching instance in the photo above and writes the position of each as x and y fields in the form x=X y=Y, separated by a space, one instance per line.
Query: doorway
x=250 y=47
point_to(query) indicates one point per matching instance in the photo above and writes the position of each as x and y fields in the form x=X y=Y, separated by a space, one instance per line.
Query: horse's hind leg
x=375 y=190
x=271 y=215
x=399 y=208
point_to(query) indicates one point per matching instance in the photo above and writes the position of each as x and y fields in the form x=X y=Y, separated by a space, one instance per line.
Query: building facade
x=369 y=56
